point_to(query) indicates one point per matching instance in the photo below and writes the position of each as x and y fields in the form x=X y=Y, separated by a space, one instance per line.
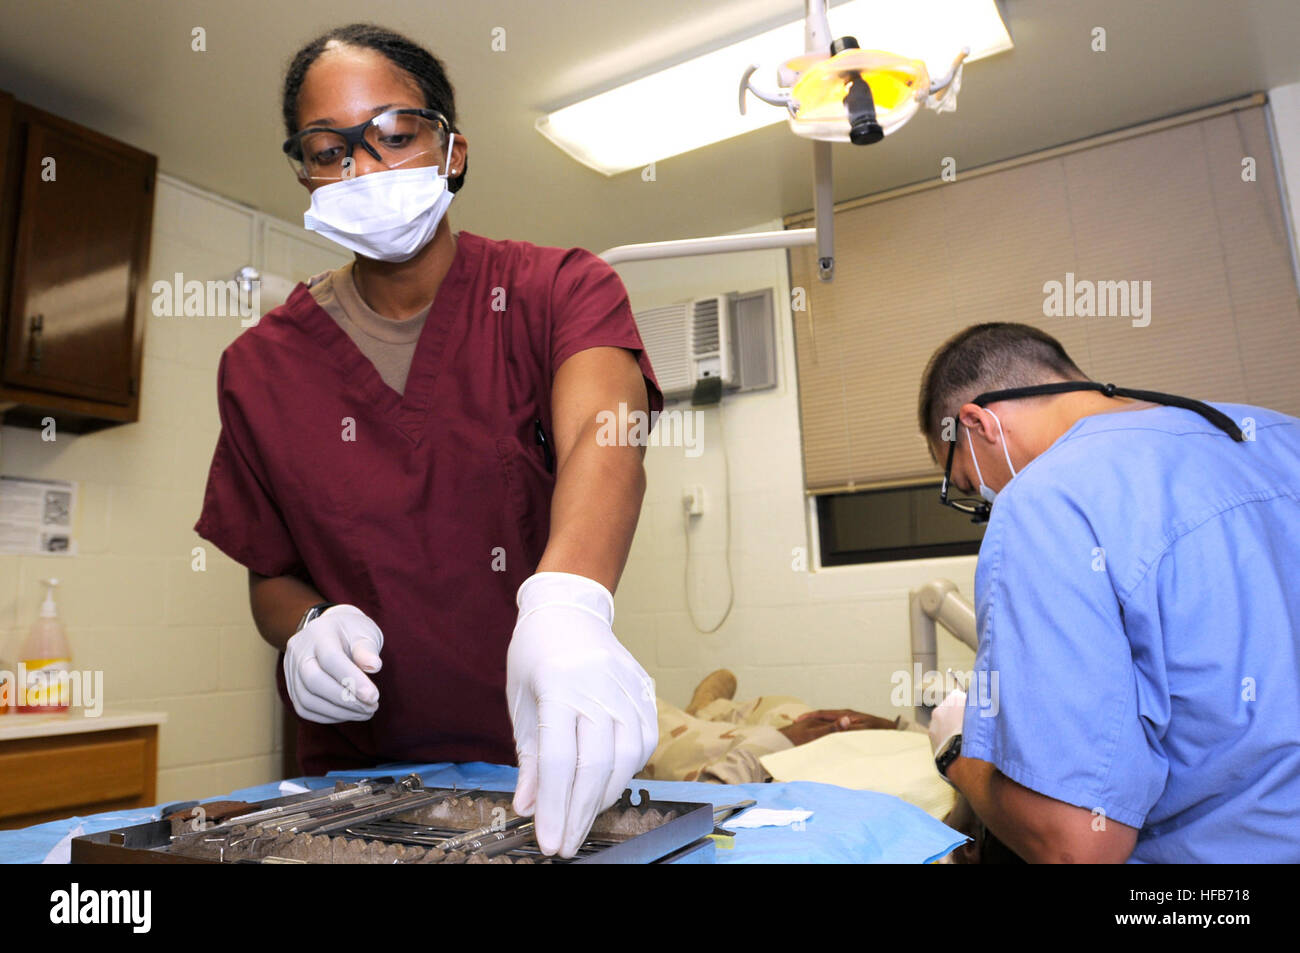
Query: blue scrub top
x=1138 y=603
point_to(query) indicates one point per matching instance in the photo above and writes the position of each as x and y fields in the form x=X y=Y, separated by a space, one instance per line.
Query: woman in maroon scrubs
x=409 y=466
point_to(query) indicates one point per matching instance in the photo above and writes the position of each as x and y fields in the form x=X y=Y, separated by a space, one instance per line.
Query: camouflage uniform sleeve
x=740 y=765
x=693 y=749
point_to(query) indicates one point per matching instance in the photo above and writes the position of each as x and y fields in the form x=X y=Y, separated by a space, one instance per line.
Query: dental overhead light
x=849 y=94
x=835 y=91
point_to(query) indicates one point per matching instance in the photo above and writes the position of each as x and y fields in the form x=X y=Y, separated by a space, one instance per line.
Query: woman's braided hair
x=425 y=69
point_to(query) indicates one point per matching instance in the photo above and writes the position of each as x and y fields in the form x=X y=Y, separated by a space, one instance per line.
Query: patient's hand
x=814 y=724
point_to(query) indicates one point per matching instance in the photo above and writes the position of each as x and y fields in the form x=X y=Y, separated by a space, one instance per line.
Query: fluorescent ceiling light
x=694 y=104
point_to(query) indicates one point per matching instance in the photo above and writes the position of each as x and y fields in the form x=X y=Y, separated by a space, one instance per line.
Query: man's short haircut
x=987 y=357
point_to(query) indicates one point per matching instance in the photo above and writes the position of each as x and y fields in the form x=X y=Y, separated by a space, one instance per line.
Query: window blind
x=1172 y=206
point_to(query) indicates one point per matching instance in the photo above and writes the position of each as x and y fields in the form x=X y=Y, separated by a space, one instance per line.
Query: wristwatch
x=312 y=613
x=949 y=752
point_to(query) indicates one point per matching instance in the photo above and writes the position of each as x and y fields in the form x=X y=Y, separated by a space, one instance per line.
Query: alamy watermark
x=55 y=688
x=917 y=688
x=179 y=298
x=1083 y=298
x=636 y=428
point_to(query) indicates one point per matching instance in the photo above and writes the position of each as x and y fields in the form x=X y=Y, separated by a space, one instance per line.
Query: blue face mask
x=987 y=491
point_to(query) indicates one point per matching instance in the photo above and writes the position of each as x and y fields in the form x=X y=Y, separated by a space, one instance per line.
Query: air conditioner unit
x=728 y=336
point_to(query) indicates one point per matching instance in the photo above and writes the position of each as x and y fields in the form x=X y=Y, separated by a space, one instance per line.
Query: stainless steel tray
x=682 y=839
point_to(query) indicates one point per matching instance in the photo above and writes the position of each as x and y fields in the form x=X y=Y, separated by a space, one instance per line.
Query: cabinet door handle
x=34 y=340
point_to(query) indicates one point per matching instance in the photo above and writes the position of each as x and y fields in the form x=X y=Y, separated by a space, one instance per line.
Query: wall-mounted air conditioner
x=729 y=336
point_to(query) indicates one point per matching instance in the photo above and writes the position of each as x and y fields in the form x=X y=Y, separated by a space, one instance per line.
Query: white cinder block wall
x=832 y=637
x=166 y=637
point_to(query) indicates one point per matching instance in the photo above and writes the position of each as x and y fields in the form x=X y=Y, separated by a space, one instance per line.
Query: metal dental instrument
x=361 y=788
x=727 y=810
x=392 y=798
x=399 y=833
x=342 y=819
x=487 y=832
x=502 y=842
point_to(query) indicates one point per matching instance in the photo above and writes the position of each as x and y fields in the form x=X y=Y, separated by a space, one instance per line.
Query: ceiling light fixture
x=694 y=104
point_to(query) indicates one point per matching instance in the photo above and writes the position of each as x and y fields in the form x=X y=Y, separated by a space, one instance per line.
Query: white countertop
x=74 y=721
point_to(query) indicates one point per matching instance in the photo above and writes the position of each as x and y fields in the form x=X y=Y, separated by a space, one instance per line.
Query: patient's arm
x=812 y=725
x=1040 y=829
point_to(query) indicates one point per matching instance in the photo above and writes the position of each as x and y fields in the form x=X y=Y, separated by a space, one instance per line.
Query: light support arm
x=816 y=26
x=817 y=39
x=823 y=210
x=938 y=601
x=711 y=245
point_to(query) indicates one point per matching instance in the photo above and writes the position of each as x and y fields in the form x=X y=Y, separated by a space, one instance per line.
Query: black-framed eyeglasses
x=979 y=510
x=395 y=138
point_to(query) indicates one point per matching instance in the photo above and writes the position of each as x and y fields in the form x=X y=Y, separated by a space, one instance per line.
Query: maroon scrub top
x=426 y=510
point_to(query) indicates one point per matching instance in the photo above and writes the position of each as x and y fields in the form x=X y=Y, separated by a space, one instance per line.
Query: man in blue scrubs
x=1136 y=694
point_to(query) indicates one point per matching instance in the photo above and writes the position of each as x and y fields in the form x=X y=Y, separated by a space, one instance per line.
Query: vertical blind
x=1172 y=206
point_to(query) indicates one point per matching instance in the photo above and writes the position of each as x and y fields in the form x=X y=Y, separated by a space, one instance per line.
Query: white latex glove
x=325 y=666
x=583 y=710
x=946 y=719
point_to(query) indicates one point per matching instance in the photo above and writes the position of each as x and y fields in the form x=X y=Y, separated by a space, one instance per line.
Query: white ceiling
x=125 y=68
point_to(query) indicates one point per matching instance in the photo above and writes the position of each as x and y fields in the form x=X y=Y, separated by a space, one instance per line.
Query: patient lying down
x=718 y=740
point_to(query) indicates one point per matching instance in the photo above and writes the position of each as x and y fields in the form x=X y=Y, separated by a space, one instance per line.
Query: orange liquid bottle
x=45 y=661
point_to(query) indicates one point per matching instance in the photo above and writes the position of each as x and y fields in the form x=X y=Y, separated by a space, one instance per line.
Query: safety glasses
x=979 y=510
x=395 y=138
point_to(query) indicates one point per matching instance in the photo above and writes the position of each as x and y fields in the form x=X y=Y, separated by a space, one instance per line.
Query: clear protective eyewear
x=979 y=510
x=396 y=138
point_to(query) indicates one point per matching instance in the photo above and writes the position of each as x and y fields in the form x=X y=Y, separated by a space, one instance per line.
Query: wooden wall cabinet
x=75 y=220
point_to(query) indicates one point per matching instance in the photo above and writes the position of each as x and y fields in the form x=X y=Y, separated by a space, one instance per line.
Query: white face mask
x=987 y=491
x=388 y=216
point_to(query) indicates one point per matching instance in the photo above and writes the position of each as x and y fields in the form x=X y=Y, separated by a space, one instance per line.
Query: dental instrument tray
x=399 y=821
